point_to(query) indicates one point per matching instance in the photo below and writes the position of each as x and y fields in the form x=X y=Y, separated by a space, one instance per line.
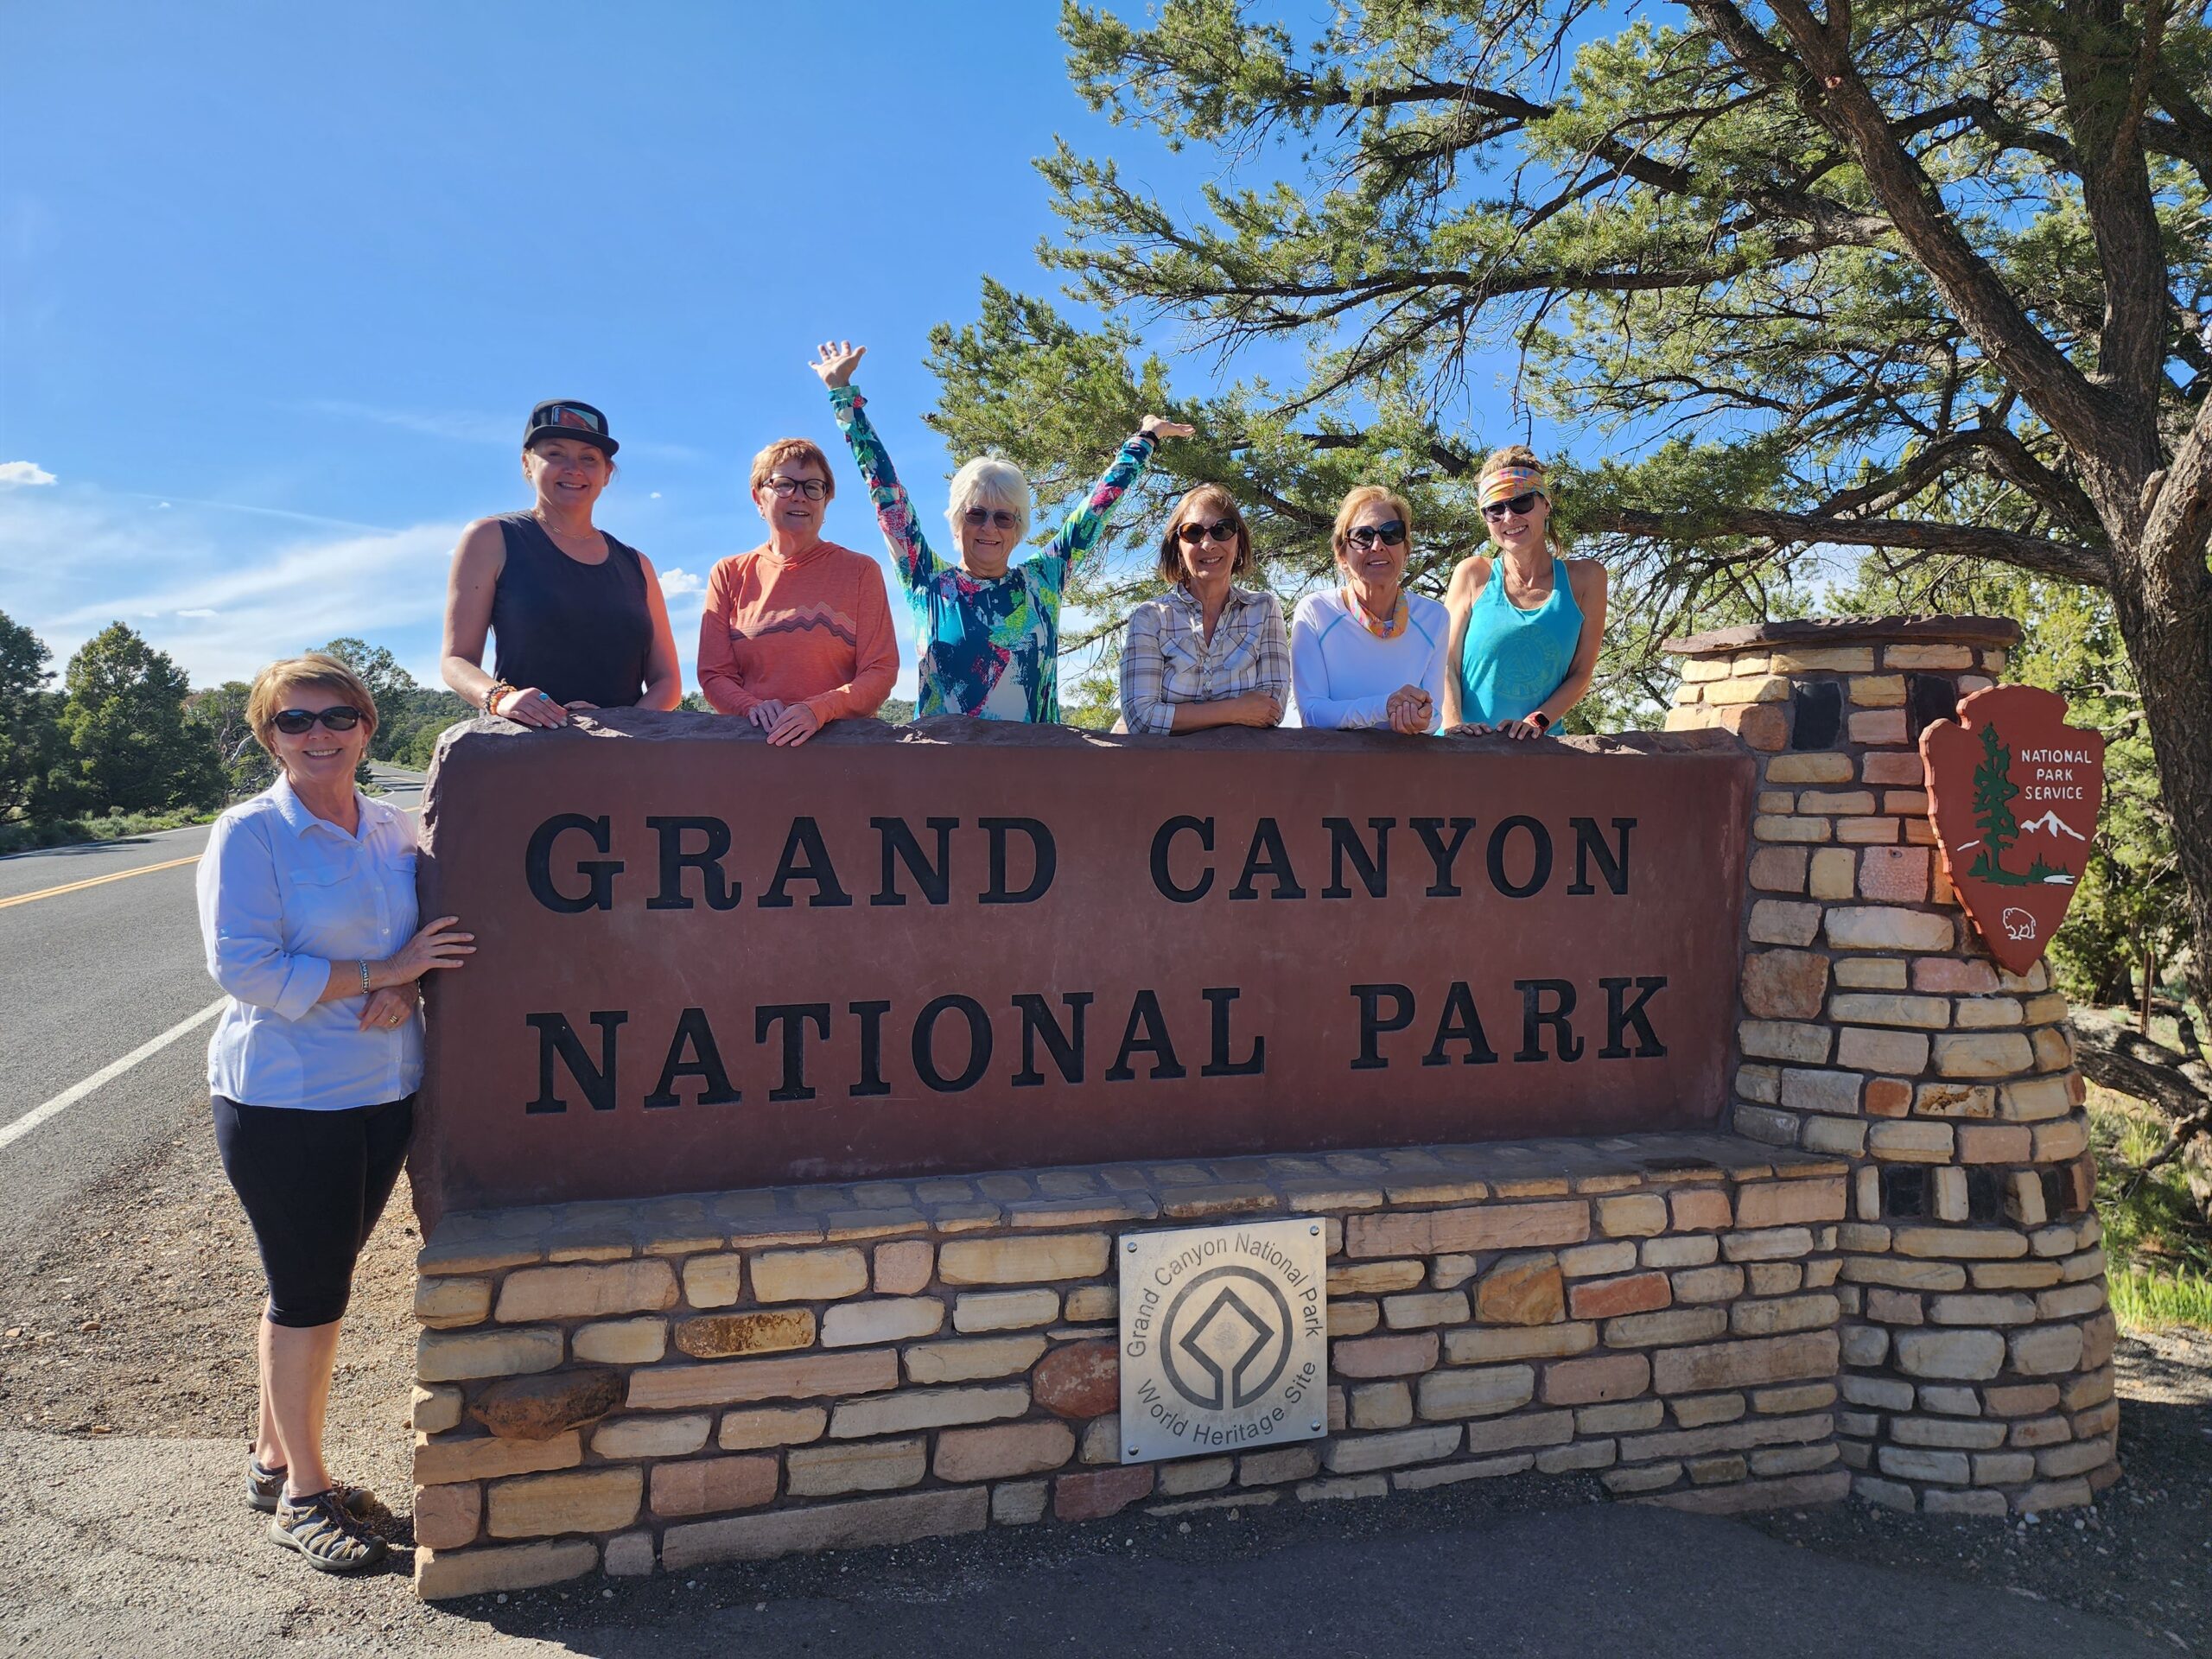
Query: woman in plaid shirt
x=1208 y=652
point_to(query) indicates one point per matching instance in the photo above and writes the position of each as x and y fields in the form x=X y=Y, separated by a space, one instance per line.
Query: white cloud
x=656 y=495
x=675 y=584
x=199 y=610
x=21 y=474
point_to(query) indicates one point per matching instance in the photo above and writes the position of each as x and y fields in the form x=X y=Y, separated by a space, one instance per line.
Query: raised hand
x=1156 y=427
x=838 y=360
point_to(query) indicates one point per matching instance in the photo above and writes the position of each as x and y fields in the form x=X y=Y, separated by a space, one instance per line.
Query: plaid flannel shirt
x=1167 y=658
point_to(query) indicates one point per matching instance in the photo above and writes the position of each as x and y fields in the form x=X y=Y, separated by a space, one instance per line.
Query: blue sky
x=279 y=283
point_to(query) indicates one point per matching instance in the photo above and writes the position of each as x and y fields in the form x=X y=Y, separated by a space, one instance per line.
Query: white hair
x=988 y=481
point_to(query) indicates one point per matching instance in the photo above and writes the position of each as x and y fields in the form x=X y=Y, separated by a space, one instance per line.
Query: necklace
x=556 y=535
x=1384 y=627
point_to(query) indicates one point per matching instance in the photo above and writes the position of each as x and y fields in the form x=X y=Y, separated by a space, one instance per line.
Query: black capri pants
x=313 y=1184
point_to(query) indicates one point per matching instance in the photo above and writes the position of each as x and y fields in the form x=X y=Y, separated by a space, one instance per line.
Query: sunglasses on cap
x=1519 y=507
x=1222 y=529
x=293 y=722
x=996 y=518
x=1389 y=534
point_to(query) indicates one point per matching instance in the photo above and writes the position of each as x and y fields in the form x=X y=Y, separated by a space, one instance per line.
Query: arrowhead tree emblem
x=2013 y=792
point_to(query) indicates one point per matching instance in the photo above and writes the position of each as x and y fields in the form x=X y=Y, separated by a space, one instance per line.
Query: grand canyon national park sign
x=706 y=964
x=2014 y=792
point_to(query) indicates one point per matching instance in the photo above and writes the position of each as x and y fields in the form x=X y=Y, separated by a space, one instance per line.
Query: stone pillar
x=1977 y=1344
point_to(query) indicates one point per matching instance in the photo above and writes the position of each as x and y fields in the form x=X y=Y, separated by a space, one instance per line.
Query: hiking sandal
x=321 y=1530
x=263 y=1486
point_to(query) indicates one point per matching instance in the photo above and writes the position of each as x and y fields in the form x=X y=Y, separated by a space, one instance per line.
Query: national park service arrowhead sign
x=2013 y=792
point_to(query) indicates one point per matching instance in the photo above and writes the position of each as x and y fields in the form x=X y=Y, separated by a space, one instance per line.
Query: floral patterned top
x=989 y=647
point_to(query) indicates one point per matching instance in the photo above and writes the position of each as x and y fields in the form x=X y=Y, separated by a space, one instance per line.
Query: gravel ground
x=133 y=1329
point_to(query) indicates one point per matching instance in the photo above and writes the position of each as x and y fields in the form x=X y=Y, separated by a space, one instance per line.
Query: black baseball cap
x=564 y=418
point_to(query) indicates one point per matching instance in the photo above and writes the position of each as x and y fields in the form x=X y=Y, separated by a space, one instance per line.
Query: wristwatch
x=1543 y=721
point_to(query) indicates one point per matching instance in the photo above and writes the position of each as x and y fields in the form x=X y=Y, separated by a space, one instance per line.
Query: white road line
x=69 y=1096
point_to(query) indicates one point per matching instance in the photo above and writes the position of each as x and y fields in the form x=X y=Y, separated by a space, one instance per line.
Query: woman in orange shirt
x=797 y=632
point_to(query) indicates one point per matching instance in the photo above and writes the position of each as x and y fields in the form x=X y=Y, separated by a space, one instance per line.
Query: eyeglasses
x=996 y=518
x=812 y=488
x=1519 y=507
x=1222 y=529
x=293 y=722
x=1389 y=534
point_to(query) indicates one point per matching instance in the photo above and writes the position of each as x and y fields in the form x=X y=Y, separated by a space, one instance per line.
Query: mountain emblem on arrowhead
x=2013 y=794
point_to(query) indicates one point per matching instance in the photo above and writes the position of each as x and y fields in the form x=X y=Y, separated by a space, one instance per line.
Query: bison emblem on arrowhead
x=2014 y=793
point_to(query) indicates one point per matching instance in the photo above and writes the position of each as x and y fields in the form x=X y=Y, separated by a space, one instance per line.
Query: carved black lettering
x=934 y=879
x=1043 y=857
x=1345 y=841
x=693 y=1031
x=538 y=865
x=1613 y=862
x=804 y=841
x=1460 y=1024
x=1153 y=1040
x=1268 y=857
x=1065 y=1047
x=721 y=894
x=870 y=1014
x=556 y=1039
x=1441 y=855
x=794 y=1018
x=1218 y=1064
x=979 y=1044
x=1540 y=840
x=1163 y=841
x=1534 y=1016
x=1373 y=1024
x=1621 y=1014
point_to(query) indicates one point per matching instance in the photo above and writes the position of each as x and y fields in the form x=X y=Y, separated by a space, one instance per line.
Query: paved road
x=87 y=977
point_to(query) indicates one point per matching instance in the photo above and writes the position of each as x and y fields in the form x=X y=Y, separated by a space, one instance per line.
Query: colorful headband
x=1508 y=481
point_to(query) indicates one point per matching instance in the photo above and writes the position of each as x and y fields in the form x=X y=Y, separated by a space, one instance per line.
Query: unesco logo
x=1225 y=1338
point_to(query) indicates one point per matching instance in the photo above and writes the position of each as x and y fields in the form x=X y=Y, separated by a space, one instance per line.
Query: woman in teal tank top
x=1526 y=622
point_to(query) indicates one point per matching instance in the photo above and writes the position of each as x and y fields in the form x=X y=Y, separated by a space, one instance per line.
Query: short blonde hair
x=1361 y=496
x=274 y=686
x=782 y=453
x=1171 y=544
x=988 y=481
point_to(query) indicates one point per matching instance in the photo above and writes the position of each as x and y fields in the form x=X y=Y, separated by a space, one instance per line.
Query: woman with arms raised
x=578 y=616
x=1526 y=622
x=989 y=629
x=797 y=633
x=1369 y=654
x=307 y=910
x=1208 y=652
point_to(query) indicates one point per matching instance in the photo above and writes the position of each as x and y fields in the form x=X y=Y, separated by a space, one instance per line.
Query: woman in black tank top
x=576 y=615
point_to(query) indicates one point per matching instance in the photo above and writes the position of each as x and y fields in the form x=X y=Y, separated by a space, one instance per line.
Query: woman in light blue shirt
x=1526 y=623
x=307 y=909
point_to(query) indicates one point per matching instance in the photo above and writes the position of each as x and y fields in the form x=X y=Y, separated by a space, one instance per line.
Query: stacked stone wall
x=1875 y=1026
x=739 y=1375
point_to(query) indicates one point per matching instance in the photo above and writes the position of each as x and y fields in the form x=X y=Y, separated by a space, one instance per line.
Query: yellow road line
x=94 y=882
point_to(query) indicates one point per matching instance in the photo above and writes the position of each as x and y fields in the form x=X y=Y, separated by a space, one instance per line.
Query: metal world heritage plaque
x=706 y=964
x=1224 y=1339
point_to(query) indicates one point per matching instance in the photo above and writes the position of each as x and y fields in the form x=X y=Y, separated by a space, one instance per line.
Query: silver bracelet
x=364 y=979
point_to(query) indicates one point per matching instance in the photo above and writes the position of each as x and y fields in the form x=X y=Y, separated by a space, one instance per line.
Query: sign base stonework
x=1224 y=1339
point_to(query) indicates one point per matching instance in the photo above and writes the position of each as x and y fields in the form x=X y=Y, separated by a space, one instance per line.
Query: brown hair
x=1520 y=455
x=531 y=448
x=1171 y=546
x=273 y=685
x=1360 y=496
x=784 y=451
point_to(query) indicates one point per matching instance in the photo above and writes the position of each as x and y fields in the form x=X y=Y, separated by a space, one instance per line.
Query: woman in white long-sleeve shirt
x=307 y=909
x=1367 y=653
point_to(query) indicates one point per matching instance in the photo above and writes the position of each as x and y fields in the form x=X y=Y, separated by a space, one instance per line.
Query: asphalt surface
x=85 y=977
x=120 y=1545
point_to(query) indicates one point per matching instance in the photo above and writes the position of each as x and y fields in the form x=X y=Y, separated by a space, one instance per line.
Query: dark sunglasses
x=997 y=518
x=1222 y=529
x=1388 y=534
x=293 y=722
x=1519 y=507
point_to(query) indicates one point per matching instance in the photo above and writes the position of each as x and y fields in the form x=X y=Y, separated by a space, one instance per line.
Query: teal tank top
x=1513 y=659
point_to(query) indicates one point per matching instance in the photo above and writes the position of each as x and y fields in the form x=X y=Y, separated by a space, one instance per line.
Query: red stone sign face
x=2014 y=792
x=705 y=963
